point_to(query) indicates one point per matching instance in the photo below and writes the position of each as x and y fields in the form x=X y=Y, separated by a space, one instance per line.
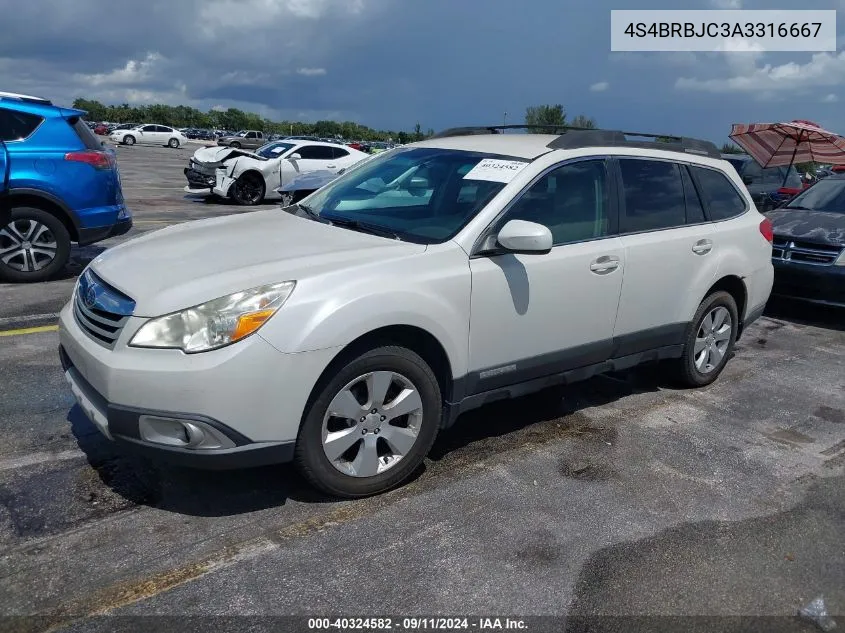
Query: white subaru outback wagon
x=345 y=331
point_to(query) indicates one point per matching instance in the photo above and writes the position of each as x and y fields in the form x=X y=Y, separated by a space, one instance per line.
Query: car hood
x=815 y=226
x=216 y=156
x=187 y=264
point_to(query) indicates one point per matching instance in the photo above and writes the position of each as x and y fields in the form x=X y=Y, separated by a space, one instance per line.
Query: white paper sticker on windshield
x=277 y=150
x=496 y=170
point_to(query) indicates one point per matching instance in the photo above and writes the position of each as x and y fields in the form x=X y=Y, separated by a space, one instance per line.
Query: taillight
x=766 y=230
x=97 y=160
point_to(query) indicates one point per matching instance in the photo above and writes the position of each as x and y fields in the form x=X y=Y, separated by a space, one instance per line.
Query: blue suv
x=58 y=185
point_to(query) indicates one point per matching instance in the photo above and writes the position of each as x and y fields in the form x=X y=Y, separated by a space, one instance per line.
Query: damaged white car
x=250 y=178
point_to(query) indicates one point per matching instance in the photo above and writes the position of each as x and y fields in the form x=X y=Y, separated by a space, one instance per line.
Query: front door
x=537 y=315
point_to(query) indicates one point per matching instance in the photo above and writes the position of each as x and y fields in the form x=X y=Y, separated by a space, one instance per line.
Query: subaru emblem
x=90 y=298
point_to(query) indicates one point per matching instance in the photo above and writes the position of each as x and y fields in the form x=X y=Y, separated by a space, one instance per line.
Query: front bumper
x=824 y=285
x=249 y=392
x=199 y=180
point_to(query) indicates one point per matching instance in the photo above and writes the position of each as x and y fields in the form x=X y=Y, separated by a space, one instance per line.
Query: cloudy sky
x=392 y=63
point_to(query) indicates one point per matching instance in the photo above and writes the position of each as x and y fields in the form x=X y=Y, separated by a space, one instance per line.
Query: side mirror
x=294 y=157
x=519 y=236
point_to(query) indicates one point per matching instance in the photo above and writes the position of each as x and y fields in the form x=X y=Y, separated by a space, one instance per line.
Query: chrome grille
x=100 y=310
x=803 y=252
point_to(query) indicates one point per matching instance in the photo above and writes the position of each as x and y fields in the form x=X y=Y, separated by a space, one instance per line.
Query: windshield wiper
x=308 y=211
x=800 y=208
x=363 y=227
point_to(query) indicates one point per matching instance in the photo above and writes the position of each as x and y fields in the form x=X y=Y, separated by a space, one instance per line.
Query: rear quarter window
x=721 y=198
x=17 y=126
x=88 y=138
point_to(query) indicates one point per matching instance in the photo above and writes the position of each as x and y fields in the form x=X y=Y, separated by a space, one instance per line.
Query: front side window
x=149 y=128
x=653 y=195
x=571 y=201
x=316 y=152
x=424 y=195
x=17 y=126
x=721 y=197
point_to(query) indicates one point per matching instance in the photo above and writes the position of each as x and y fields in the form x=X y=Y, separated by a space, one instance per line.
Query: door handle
x=702 y=247
x=330 y=166
x=604 y=264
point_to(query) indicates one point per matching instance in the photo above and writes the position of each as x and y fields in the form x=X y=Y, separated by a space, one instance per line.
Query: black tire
x=174 y=143
x=235 y=145
x=128 y=140
x=688 y=373
x=248 y=190
x=17 y=223
x=310 y=457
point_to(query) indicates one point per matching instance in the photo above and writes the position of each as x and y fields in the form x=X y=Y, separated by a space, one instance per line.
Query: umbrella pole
x=791 y=160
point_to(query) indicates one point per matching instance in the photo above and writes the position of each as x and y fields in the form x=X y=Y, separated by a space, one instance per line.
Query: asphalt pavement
x=620 y=496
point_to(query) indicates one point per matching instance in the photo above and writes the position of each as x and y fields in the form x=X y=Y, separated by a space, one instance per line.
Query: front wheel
x=34 y=245
x=371 y=425
x=710 y=340
x=235 y=145
x=128 y=140
x=248 y=190
x=174 y=143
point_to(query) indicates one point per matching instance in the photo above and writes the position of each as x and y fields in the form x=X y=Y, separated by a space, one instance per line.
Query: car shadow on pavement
x=480 y=433
x=802 y=313
x=80 y=257
x=529 y=417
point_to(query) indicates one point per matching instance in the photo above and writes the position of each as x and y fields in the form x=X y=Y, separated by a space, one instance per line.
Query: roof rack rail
x=494 y=129
x=13 y=96
x=575 y=137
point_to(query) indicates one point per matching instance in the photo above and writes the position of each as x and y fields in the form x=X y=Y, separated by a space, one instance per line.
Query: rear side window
x=721 y=197
x=339 y=152
x=653 y=194
x=695 y=212
x=17 y=126
x=88 y=138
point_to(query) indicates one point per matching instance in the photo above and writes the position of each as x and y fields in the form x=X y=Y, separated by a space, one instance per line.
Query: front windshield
x=826 y=195
x=273 y=150
x=422 y=195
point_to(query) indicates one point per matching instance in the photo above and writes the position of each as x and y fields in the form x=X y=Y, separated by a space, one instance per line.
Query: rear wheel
x=248 y=190
x=710 y=340
x=371 y=425
x=129 y=139
x=34 y=245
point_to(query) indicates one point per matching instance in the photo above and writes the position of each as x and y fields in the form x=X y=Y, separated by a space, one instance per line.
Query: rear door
x=669 y=252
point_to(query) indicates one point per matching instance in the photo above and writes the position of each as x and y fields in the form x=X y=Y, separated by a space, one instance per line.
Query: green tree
x=584 y=122
x=545 y=115
x=732 y=148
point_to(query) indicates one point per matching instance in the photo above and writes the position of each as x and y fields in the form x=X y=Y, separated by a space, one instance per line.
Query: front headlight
x=217 y=323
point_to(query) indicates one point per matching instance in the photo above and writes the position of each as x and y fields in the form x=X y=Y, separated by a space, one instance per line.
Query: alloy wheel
x=27 y=245
x=372 y=423
x=712 y=339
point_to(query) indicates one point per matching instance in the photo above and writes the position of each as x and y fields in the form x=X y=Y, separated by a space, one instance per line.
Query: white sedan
x=249 y=178
x=150 y=135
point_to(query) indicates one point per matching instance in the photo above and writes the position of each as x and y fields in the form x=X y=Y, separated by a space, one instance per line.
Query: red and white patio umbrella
x=782 y=144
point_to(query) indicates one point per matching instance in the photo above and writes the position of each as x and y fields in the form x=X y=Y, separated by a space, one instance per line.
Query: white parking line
x=39 y=458
x=29 y=317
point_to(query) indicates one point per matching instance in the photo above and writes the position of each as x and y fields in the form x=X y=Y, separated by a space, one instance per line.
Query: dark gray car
x=246 y=139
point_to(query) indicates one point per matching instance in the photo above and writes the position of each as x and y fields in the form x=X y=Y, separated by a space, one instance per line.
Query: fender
x=305 y=328
x=11 y=194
